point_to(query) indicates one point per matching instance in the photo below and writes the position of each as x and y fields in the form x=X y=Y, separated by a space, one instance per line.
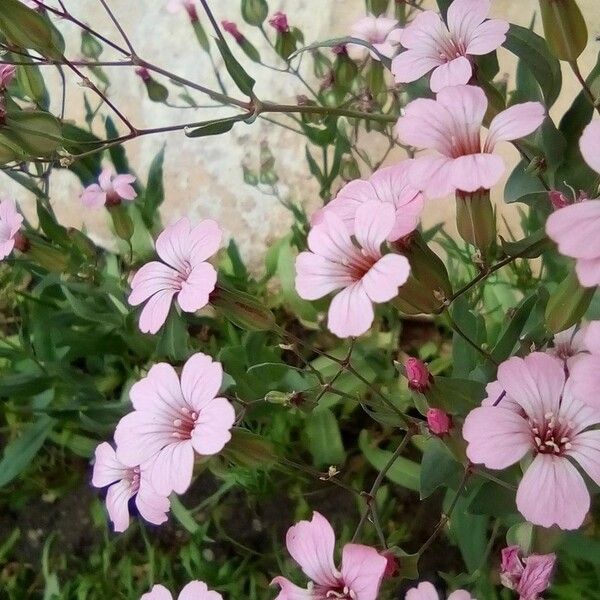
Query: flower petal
x=156 y=311
x=152 y=506
x=350 y=312
x=424 y=591
x=204 y=241
x=464 y=16
x=372 y=225
x=487 y=37
x=433 y=175
x=212 y=428
x=93 y=196
x=383 y=279
x=201 y=379
x=588 y=271
x=150 y=279
x=316 y=276
x=586 y=451
x=172 y=245
x=198 y=590
x=196 y=289
x=172 y=468
x=362 y=570
x=575 y=229
x=105 y=179
x=589 y=145
x=584 y=380
x=117 y=504
x=515 y=122
x=475 y=171
x=290 y=591
x=158 y=592
x=411 y=65
x=107 y=469
x=331 y=240
x=455 y=72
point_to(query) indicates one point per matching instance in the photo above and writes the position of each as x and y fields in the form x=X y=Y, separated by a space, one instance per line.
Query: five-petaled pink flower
x=546 y=417
x=123 y=484
x=7 y=72
x=10 y=223
x=184 y=271
x=194 y=590
x=575 y=228
x=447 y=50
x=529 y=576
x=311 y=544
x=362 y=273
x=381 y=32
x=110 y=190
x=426 y=591
x=390 y=185
x=172 y=419
x=451 y=125
x=576 y=342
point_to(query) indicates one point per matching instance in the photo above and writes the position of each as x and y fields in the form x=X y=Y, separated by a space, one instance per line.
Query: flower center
x=133 y=476
x=551 y=436
x=184 y=424
x=358 y=264
x=450 y=48
x=183 y=273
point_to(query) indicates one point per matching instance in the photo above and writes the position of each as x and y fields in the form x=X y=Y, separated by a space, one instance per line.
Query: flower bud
x=121 y=220
x=476 y=220
x=558 y=199
x=392 y=567
x=254 y=12
x=438 y=421
x=568 y=303
x=7 y=72
x=21 y=242
x=418 y=375
x=242 y=309
x=231 y=28
x=279 y=22
x=529 y=576
x=143 y=73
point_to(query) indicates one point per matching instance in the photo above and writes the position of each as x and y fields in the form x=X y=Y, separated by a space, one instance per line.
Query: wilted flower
x=418 y=375
x=184 y=272
x=172 y=419
x=143 y=73
x=7 y=72
x=439 y=422
x=279 y=22
x=311 y=544
x=110 y=190
x=575 y=228
x=529 y=576
x=10 y=223
x=451 y=125
x=231 y=28
x=125 y=483
x=362 y=273
x=389 y=185
x=381 y=32
x=448 y=50
x=195 y=590
x=546 y=417
x=426 y=591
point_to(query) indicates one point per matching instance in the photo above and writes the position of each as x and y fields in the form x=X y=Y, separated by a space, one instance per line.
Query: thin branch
x=118 y=26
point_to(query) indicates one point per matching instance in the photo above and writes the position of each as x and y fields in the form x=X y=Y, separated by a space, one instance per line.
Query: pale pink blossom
x=311 y=544
x=7 y=73
x=125 y=483
x=110 y=190
x=194 y=590
x=529 y=576
x=172 y=419
x=390 y=185
x=10 y=223
x=426 y=591
x=362 y=273
x=380 y=32
x=451 y=125
x=418 y=375
x=543 y=417
x=184 y=272
x=448 y=50
x=279 y=22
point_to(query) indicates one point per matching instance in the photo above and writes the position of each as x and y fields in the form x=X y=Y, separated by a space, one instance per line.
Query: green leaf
x=438 y=468
x=155 y=191
x=469 y=531
x=244 y=82
x=533 y=51
x=56 y=232
x=21 y=451
x=23 y=384
x=564 y=28
x=214 y=127
x=157 y=92
x=31 y=82
x=88 y=310
x=117 y=153
x=455 y=396
x=324 y=438
x=530 y=247
x=201 y=35
x=183 y=515
x=90 y=46
x=39 y=133
x=403 y=471
x=342 y=41
x=493 y=500
x=174 y=338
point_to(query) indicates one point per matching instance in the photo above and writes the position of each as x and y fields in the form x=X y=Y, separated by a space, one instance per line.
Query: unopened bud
x=21 y=242
x=438 y=421
x=143 y=73
x=279 y=22
x=476 y=220
x=242 y=309
x=558 y=199
x=418 y=375
x=231 y=28
x=391 y=567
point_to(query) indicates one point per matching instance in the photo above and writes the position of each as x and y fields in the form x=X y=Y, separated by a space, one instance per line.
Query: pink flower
x=123 y=484
x=390 y=185
x=530 y=576
x=363 y=273
x=438 y=421
x=418 y=375
x=311 y=544
x=231 y=28
x=10 y=223
x=172 y=418
x=380 y=32
x=109 y=190
x=451 y=125
x=448 y=50
x=184 y=271
x=7 y=72
x=426 y=591
x=279 y=22
x=194 y=590
x=545 y=417
x=174 y=6
x=570 y=345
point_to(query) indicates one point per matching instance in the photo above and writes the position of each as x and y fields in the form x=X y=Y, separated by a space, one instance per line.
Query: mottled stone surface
x=204 y=176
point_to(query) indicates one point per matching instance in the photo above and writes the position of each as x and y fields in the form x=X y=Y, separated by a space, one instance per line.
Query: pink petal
x=433 y=174
x=589 y=145
x=172 y=245
x=158 y=592
x=105 y=179
x=475 y=171
x=497 y=437
x=152 y=506
x=204 y=241
x=10 y=216
x=586 y=451
x=348 y=199
x=151 y=278
x=173 y=468
x=290 y=591
x=212 y=428
x=158 y=392
x=362 y=570
x=577 y=408
x=107 y=469
x=466 y=105
x=536 y=576
x=591 y=337
x=201 y=380
x=6 y=248
x=372 y=225
x=93 y=196
x=424 y=591
x=460 y=595
x=553 y=492
x=383 y=279
x=124 y=190
x=117 y=504
x=411 y=65
x=350 y=312
x=198 y=286
x=156 y=311
x=464 y=16
x=487 y=37
x=425 y=33
x=575 y=229
x=311 y=545
x=331 y=239
x=584 y=380
x=494 y=391
x=515 y=122
x=198 y=590
x=588 y=271
x=456 y=72
x=316 y=276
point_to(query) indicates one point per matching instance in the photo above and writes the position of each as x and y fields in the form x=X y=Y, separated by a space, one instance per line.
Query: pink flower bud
x=7 y=72
x=143 y=73
x=279 y=22
x=419 y=377
x=529 y=576
x=558 y=199
x=340 y=49
x=392 y=566
x=231 y=28
x=438 y=421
